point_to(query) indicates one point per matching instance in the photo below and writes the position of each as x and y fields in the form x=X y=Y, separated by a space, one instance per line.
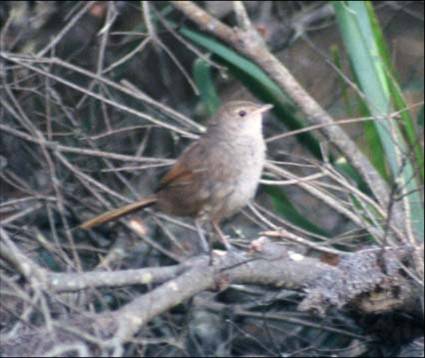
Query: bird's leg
x=205 y=244
x=221 y=236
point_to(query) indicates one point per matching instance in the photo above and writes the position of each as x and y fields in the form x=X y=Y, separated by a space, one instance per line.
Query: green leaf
x=336 y=59
x=374 y=148
x=399 y=103
x=369 y=57
x=343 y=167
x=420 y=119
x=284 y=207
x=204 y=82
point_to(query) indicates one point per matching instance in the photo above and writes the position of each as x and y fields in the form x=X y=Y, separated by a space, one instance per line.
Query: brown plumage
x=215 y=176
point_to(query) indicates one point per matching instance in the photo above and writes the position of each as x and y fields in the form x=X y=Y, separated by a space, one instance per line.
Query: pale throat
x=252 y=126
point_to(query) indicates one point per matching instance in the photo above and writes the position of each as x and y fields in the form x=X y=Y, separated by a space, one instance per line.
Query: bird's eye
x=242 y=113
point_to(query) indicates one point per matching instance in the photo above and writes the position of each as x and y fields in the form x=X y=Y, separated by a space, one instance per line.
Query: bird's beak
x=263 y=109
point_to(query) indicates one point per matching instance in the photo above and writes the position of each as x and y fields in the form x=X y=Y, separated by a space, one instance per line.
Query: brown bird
x=215 y=176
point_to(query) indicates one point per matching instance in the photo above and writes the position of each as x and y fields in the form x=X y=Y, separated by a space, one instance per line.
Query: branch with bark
x=355 y=280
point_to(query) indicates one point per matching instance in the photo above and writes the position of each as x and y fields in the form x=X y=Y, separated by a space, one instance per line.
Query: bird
x=214 y=177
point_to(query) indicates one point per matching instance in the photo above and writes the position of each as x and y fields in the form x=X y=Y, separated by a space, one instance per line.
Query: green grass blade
x=371 y=72
x=204 y=81
x=398 y=101
x=420 y=119
x=284 y=207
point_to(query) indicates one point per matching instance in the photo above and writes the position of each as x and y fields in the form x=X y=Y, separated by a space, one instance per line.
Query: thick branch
x=356 y=279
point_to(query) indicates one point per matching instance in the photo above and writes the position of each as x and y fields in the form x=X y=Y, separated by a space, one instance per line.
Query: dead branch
x=354 y=280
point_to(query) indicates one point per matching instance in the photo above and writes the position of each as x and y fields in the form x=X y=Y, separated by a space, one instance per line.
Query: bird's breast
x=236 y=178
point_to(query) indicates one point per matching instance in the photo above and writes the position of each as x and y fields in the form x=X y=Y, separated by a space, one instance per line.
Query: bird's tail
x=117 y=213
